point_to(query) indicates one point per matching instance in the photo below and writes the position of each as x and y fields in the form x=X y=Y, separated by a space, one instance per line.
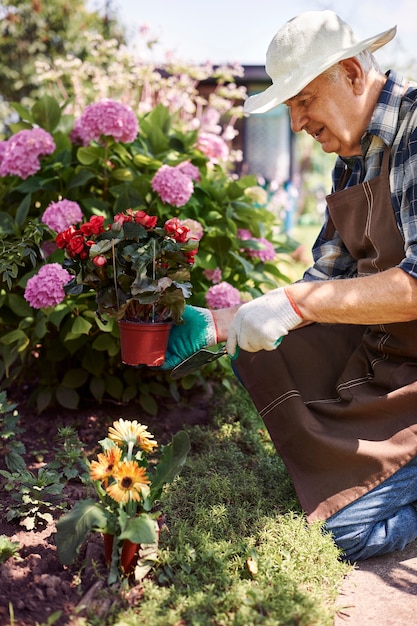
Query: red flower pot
x=128 y=557
x=143 y=343
x=108 y=547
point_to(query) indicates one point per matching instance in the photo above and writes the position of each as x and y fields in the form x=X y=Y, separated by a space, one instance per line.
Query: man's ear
x=354 y=74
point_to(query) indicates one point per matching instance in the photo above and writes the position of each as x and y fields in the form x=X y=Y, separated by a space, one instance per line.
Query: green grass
x=238 y=551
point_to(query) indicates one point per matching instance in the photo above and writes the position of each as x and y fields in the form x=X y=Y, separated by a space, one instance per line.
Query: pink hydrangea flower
x=107 y=117
x=213 y=146
x=62 y=214
x=196 y=229
x=173 y=186
x=214 y=275
x=267 y=253
x=190 y=170
x=20 y=154
x=222 y=296
x=45 y=288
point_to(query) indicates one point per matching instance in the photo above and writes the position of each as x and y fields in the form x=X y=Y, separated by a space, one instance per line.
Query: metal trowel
x=196 y=361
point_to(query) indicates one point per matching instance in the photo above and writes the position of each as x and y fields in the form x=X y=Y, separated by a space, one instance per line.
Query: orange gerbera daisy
x=125 y=431
x=106 y=462
x=131 y=482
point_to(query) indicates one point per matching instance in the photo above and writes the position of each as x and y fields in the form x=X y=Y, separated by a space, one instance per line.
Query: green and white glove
x=261 y=323
x=198 y=331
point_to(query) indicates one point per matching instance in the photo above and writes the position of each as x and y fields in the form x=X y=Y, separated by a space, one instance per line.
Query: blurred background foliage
x=56 y=58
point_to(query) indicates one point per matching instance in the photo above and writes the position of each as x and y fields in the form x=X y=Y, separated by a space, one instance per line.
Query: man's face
x=331 y=112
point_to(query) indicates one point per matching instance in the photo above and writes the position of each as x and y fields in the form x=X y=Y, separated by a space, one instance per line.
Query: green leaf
x=7 y=224
x=88 y=156
x=46 y=113
x=97 y=388
x=23 y=210
x=67 y=398
x=173 y=458
x=14 y=336
x=140 y=529
x=80 y=326
x=148 y=403
x=19 y=305
x=73 y=528
x=23 y=112
x=75 y=378
x=114 y=387
x=43 y=399
x=82 y=177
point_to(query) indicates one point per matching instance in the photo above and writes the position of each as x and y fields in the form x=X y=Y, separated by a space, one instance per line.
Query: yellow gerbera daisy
x=126 y=431
x=105 y=464
x=131 y=482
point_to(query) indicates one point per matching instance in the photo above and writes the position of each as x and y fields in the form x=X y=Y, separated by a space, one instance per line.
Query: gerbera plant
x=127 y=479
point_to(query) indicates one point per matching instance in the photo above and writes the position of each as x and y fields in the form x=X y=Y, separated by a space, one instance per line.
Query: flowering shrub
x=128 y=485
x=160 y=182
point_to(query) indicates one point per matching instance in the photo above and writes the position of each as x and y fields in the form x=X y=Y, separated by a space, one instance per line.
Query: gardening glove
x=262 y=323
x=198 y=331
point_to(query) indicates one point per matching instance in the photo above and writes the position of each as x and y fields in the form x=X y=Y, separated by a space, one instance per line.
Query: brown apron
x=340 y=401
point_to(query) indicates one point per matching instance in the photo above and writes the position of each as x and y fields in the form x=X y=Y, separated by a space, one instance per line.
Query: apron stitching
x=370 y=203
x=354 y=382
x=323 y=401
x=293 y=393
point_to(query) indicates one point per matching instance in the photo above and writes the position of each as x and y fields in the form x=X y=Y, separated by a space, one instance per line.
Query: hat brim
x=289 y=86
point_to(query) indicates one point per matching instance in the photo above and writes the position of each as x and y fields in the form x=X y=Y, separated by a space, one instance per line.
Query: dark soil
x=34 y=583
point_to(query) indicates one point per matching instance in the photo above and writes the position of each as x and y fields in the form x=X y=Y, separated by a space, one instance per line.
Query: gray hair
x=365 y=58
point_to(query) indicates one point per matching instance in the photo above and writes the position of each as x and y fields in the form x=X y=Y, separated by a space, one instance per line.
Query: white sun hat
x=304 y=48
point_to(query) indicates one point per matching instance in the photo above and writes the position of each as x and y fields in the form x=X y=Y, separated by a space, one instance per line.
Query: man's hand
x=198 y=331
x=261 y=323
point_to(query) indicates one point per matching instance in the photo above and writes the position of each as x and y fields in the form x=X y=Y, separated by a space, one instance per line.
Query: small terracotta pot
x=143 y=343
x=128 y=557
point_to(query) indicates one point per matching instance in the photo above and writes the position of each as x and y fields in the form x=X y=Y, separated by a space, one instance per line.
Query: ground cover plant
x=235 y=550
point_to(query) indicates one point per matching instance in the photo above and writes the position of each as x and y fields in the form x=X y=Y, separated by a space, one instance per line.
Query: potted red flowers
x=140 y=272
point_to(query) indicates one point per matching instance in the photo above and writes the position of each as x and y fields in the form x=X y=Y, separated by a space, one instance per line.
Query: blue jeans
x=382 y=520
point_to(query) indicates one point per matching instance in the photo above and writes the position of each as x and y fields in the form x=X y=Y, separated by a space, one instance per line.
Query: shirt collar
x=384 y=122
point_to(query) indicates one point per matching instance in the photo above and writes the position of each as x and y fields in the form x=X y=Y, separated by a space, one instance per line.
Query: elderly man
x=339 y=394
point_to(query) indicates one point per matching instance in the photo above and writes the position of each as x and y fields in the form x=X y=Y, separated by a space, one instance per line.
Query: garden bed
x=34 y=582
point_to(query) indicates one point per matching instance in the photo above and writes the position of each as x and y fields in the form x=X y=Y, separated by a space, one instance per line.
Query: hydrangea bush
x=56 y=168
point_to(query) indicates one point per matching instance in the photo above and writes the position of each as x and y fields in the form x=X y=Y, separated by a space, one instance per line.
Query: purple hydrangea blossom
x=190 y=170
x=173 y=186
x=267 y=253
x=222 y=296
x=213 y=146
x=62 y=214
x=108 y=118
x=45 y=288
x=214 y=275
x=19 y=155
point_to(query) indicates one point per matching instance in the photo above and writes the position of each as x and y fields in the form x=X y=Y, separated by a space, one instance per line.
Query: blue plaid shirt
x=394 y=108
